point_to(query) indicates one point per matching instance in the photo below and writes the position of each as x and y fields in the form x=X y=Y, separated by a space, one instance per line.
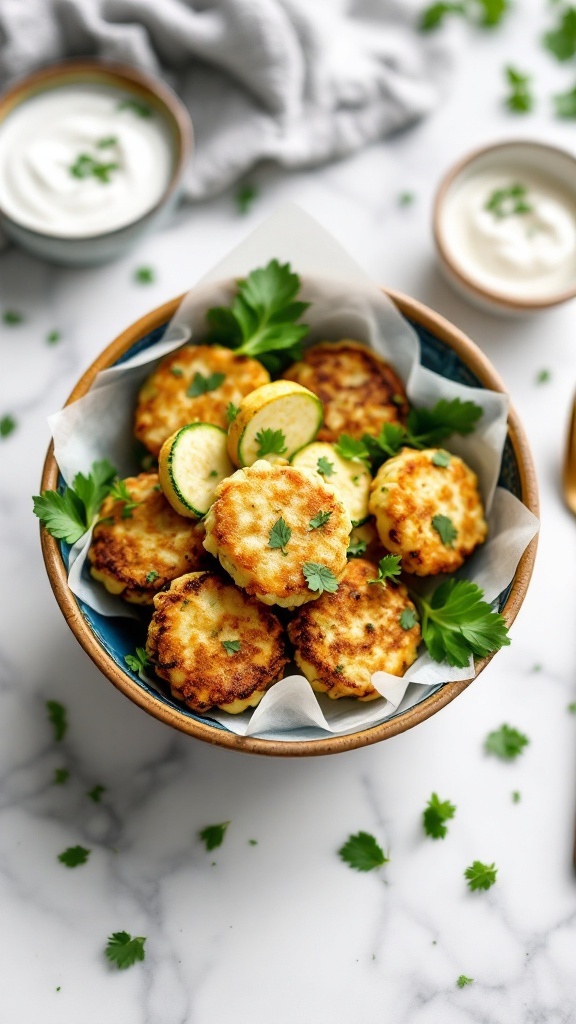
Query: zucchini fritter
x=249 y=504
x=164 y=402
x=191 y=623
x=343 y=638
x=137 y=551
x=431 y=515
x=358 y=389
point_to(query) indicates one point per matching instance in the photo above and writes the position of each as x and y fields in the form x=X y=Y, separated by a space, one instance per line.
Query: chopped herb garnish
x=231 y=646
x=176 y=371
x=324 y=466
x=320 y=578
x=96 y=793
x=506 y=202
x=279 y=535
x=362 y=852
x=144 y=275
x=202 y=385
x=339 y=668
x=87 y=167
x=61 y=776
x=408 y=618
x=53 y=337
x=68 y=516
x=561 y=41
x=7 y=425
x=120 y=493
x=572 y=708
x=139 y=661
x=11 y=317
x=151 y=576
x=446 y=529
x=565 y=103
x=543 y=376
x=271 y=442
x=370 y=627
x=480 y=876
x=463 y=980
x=515 y=797
x=245 y=196
x=231 y=412
x=486 y=13
x=519 y=100
x=107 y=142
x=356 y=548
x=58 y=715
x=441 y=458
x=406 y=198
x=388 y=567
x=213 y=473
x=349 y=448
x=253 y=842
x=123 y=950
x=425 y=428
x=456 y=622
x=136 y=106
x=506 y=743
x=74 y=856
x=213 y=835
x=320 y=519
x=435 y=816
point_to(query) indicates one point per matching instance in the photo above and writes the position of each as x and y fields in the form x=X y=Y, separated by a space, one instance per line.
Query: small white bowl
x=513 y=159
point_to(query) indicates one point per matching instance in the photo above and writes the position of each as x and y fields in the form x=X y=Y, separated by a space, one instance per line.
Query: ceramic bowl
x=444 y=349
x=89 y=250
x=550 y=162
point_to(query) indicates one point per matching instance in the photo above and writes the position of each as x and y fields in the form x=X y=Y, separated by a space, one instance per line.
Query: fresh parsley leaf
x=119 y=492
x=96 y=793
x=85 y=166
x=7 y=425
x=144 y=275
x=176 y=371
x=139 y=661
x=12 y=317
x=432 y=17
x=58 y=715
x=506 y=202
x=279 y=535
x=253 y=842
x=53 y=337
x=151 y=576
x=463 y=980
x=320 y=577
x=565 y=103
x=486 y=13
x=202 y=385
x=435 y=815
x=123 y=950
x=561 y=41
x=67 y=516
x=516 y=797
x=362 y=852
x=231 y=412
x=572 y=708
x=324 y=466
x=349 y=448
x=356 y=548
x=480 y=876
x=272 y=442
x=520 y=99
x=446 y=529
x=231 y=646
x=61 y=776
x=213 y=835
x=543 y=376
x=408 y=618
x=426 y=428
x=441 y=458
x=406 y=198
x=320 y=519
x=245 y=196
x=138 y=107
x=262 y=319
x=489 y=12
x=456 y=622
x=388 y=567
x=107 y=142
x=506 y=743
x=74 y=856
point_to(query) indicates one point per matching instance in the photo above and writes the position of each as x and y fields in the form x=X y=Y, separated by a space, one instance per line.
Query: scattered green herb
x=456 y=622
x=120 y=493
x=486 y=13
x=68 y=516
x=425 y=428
x=151 y=576
x=86 y=166
x=370 y=627
x=139 y=661
x=231 y=646
x=123 y=950
x=565 y=103
x=339 y=668
x=271 y=442
x=231 y=412
x=349 y=448
x=107 y=142
x=324 y=466
x=145 y=275
x=435 y=816
x=320 y=578
x=11 y=317
x=320 y=519
x=520 y=99
x=543 y=376
x=74 y=856
x=213 y=835
x=61 y=776
x=441 y=458
x=279 y=535
x=362 y=852
x=480 y=876
x=253 y=842
x=408 y=618
x=446 y=529
x=388 y=567
x=95 y=794
x=53 y=337
x=138 y=107
x=356 y=548
x=406 y=198
x=505 y=202
x=245 y=196
x=515 y=797
x=7 y=425
x=506 y=743
x=58 y=715
x=463 y=980
x=572 y=708
x=176 y=371
x=202 y=385
x=561 y=41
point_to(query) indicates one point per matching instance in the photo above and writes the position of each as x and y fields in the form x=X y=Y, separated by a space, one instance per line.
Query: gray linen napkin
x=295 y=81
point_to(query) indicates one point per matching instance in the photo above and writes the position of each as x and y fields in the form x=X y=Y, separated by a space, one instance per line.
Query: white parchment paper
x=344 y=303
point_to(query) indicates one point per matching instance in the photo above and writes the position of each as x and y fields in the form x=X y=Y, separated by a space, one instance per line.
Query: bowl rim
x=481 y=291
x=479 y=364
x=123 y=76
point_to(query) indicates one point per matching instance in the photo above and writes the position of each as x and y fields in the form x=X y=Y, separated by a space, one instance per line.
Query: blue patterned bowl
x=107 y=640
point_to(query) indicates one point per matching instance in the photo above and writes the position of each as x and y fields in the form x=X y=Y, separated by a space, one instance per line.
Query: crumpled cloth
x=299 y=82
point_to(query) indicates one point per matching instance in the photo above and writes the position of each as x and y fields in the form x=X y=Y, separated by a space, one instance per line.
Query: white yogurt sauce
x=521 y=245
x=81 y=160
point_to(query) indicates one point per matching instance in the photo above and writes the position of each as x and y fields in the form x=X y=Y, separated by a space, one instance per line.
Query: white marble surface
x=283 y=930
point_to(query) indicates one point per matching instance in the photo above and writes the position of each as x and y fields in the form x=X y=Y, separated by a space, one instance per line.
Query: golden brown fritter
x=358 y=389
x=164 y=404
x=417 y=502
x=238 y=531
x=343 y=638
x=136 y=554
x=192 y=620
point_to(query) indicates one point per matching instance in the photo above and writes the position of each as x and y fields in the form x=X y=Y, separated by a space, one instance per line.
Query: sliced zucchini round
x=273 y=422
x=191 y=464
x=349 y=478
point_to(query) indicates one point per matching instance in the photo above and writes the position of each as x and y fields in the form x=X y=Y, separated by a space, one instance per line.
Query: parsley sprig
x=425 y=428
x=123 y=950
x=271 y=442
x=202 y=385
x=508 y=201
x=279 y=535
x=320 y=577
x=480 y=876
x=58 y=715
x=139 y=661
x=456 y=622
x=120 y=493
x=506 y=743
x=362 y=852
x=69 y=515
x=213 y=835
x=388 y=568
x=520 y=99
x=261 y=320
x=486 y=13
x=435 y=816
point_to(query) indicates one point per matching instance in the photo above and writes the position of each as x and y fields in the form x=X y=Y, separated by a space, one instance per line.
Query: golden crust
x=408 y=491
x=152 y=540
x=249 y=503
x=164 y=406
x=190 y=621
x=358 y=389
x=343 y=638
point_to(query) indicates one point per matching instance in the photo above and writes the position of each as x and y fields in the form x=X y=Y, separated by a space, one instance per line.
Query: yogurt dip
x=82 y=160
x=513 y=231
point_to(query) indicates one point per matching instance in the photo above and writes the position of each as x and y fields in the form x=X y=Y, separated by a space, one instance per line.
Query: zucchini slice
x=191 y=464
x=273 y=422
x=349 y=478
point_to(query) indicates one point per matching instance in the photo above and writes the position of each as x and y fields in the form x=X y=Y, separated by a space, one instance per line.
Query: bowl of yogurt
x=505 y=226
x=91 y=157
